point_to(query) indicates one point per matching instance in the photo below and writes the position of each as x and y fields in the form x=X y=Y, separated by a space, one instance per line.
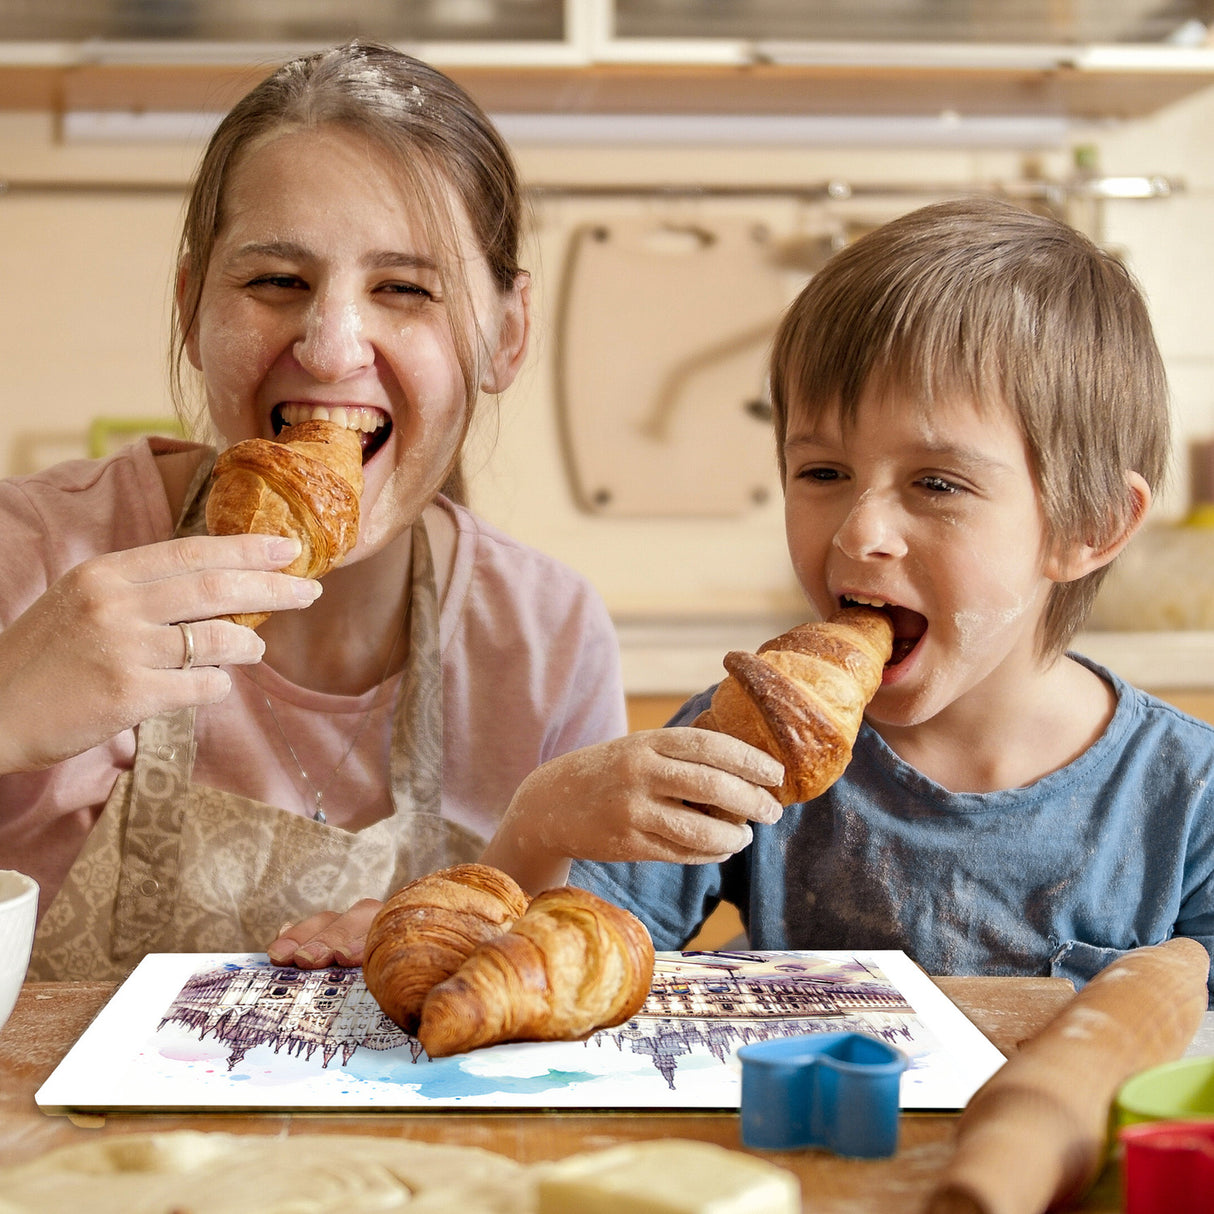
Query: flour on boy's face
x=931 y=512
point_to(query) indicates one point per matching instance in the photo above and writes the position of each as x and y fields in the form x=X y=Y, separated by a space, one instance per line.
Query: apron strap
x=150 y=856
x=417 y=729
x=151 y=850
x=193 y=518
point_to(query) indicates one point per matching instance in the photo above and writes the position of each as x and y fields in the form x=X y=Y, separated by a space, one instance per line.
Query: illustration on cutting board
x=234 y=1031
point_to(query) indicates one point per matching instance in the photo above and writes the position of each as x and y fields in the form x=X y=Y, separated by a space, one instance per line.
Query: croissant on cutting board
x=308 y=484
x=426 y=930
x=801 y=698
x=572 y=964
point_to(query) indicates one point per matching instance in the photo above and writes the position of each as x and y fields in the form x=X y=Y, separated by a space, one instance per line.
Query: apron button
x=148 y=886
x=165 y=752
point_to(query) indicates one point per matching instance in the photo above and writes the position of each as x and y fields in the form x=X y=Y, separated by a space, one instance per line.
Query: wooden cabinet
x=885 y=57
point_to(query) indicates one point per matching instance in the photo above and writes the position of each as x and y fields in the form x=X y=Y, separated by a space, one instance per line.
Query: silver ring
x=187 y=635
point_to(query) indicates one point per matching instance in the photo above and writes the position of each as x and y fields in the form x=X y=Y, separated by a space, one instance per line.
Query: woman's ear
x=513 y=333
x=190 y=343
x=1073 y=561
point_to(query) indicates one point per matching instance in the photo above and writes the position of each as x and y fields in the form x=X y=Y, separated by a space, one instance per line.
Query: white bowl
x=18 y=910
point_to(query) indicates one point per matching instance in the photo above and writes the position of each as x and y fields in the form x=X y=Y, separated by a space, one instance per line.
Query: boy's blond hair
x=980 y=300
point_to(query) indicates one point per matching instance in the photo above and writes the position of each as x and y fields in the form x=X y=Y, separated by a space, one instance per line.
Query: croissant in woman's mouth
x=373 y=425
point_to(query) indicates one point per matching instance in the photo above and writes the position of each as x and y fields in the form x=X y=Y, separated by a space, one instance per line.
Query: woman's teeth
x=349 y=417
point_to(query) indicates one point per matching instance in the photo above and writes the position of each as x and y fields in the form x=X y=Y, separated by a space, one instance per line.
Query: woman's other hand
x=327 y=938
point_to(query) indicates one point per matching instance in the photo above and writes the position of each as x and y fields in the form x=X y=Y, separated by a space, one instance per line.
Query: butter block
x=666 y=1176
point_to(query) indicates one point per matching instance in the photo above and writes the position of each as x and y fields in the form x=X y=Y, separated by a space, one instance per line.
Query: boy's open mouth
x=373 y=425
x=909 y=626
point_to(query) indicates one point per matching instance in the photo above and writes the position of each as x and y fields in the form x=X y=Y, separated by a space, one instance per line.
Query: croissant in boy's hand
x=461 y=959
x=307 y=485
x=801 y=698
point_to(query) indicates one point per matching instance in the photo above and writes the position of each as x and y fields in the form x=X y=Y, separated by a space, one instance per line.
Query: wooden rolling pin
x=1034 y=1136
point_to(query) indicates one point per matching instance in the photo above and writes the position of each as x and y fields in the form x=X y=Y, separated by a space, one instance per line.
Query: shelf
x=1081 y=89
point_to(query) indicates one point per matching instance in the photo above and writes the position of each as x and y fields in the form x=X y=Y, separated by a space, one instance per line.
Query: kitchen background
x=691 y=162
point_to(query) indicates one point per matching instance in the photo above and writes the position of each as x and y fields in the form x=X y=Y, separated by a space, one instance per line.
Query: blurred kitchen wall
x=85 y=276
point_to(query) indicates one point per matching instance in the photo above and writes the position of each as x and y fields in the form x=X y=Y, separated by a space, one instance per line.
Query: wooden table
x=49 y=1017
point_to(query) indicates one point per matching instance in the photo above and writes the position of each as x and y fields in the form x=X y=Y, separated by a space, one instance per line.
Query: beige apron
x=171 y=866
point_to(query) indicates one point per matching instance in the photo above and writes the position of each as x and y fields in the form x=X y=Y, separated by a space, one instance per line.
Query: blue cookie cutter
x=832 y=1090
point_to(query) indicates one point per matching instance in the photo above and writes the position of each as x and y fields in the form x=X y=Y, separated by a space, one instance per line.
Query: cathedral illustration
x=713 y=1001
x=736 y=986
x=301 y=1011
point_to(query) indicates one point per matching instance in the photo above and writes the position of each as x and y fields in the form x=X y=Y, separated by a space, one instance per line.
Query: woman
x=176 y=781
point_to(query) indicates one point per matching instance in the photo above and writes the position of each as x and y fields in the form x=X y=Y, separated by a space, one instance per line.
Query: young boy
x=971 y=418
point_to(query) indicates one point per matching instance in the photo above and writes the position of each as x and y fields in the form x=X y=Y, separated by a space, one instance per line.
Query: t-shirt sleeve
x=1196 y=917
x=672 y=900
x=1160 y=829
x=54 y=519
x=1180 y=768
x=594 y=708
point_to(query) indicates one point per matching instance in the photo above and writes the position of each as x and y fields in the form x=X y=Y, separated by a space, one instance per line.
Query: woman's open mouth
x=373 y=425
x=909 y=626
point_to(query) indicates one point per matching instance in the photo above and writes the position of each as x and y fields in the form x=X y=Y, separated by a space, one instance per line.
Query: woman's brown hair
x=442 y=140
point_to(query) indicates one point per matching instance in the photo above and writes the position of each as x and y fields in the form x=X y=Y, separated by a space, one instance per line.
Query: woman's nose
x=333 y=343
x=870 y=529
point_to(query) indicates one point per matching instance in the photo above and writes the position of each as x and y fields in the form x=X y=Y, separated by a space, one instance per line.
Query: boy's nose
x=870 y=529
x=333 y=343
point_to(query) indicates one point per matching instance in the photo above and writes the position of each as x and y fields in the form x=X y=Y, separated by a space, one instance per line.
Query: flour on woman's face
x=324 y=293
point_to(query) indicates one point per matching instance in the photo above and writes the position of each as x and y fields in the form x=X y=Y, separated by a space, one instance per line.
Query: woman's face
x=323 y=298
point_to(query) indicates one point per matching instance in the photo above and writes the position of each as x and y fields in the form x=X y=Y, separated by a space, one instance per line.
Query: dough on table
x=197 y=1172
x=194 y=1172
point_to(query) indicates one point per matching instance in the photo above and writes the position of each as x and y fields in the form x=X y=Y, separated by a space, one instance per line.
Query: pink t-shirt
x=530 y=666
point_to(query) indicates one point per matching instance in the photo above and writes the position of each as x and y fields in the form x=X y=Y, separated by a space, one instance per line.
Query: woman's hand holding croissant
x=102 y=648
x=680 y=794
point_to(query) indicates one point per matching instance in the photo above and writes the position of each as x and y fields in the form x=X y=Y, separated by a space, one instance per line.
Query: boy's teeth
x=355 y=417
x=863 y=601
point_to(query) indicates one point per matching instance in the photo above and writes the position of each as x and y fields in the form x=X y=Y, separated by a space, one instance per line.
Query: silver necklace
x=318 y=793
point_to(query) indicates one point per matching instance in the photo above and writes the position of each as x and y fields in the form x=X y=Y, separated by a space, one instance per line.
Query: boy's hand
x=682 y=794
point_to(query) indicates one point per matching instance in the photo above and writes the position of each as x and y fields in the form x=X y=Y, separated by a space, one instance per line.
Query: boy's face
x=935 y=512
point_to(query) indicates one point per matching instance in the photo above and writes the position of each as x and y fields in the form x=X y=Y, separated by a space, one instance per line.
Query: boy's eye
x=819 y=474
x=938 y=484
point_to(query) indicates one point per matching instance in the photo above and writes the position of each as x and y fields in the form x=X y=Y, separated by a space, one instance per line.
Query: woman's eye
x=411 y=289
x=283 y=281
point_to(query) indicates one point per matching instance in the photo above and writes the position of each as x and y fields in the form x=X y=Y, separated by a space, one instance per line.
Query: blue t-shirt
x=1059 y=878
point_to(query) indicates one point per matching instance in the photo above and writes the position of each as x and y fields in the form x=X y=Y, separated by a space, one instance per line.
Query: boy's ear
x=1073 y=561
x=514 y=329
